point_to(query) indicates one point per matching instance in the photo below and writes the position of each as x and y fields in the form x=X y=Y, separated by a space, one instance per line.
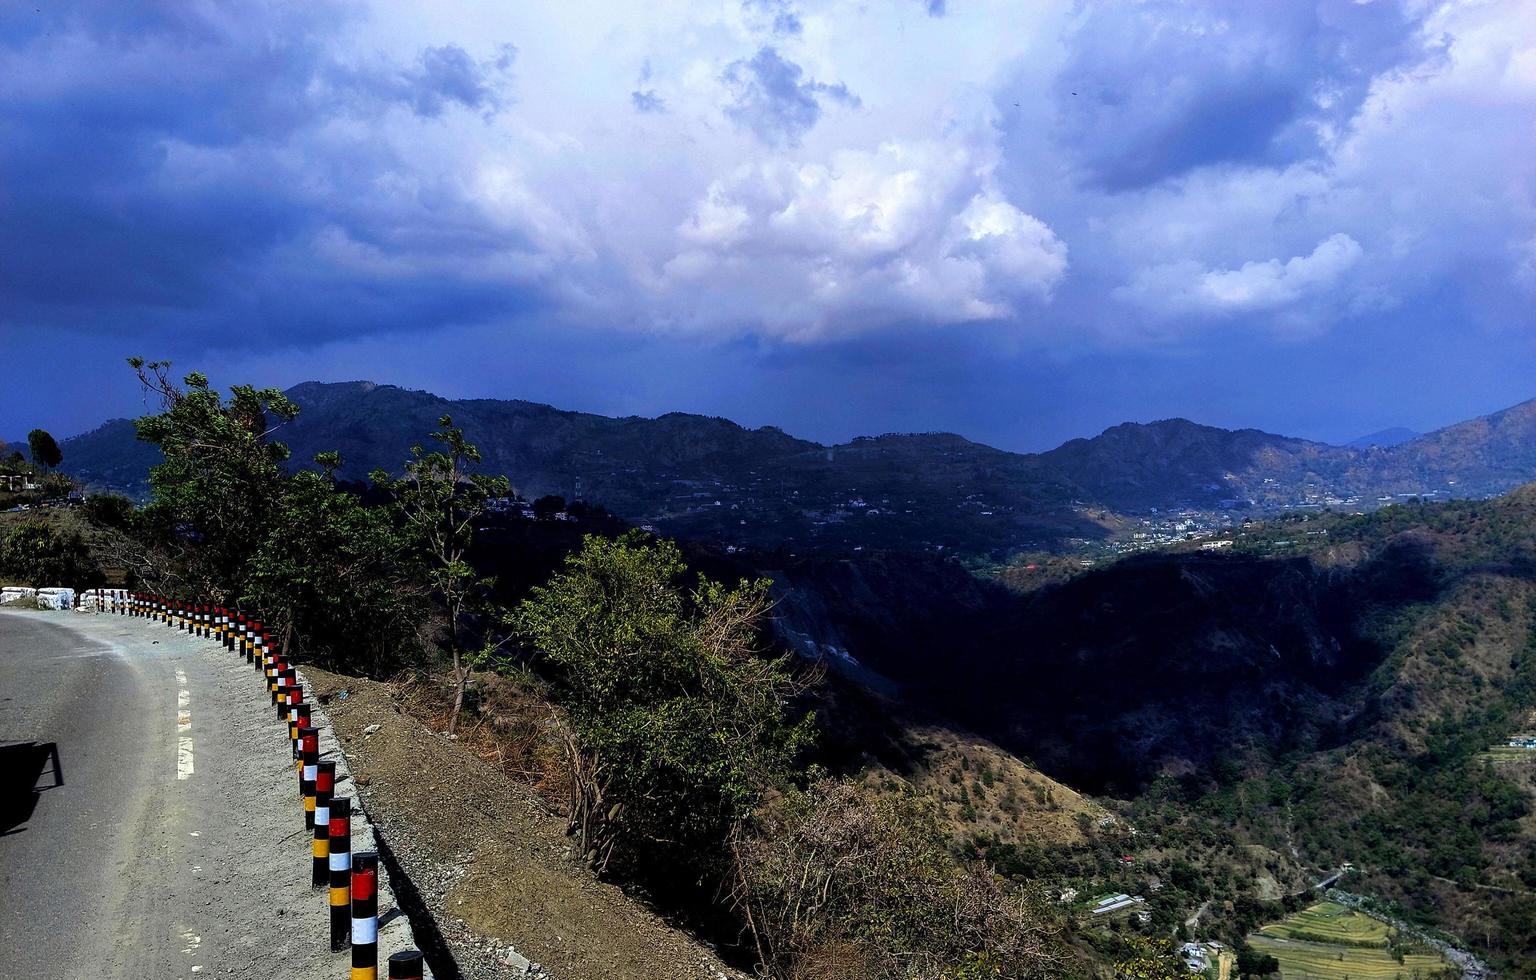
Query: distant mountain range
x=1385 y=439
x=706 y=477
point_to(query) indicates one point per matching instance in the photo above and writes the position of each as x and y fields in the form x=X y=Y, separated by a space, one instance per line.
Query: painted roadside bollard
x=365 y=916
x=298 y=720
x=309 y=758
x=320 y=847
x=408 y=964
x=339 y=845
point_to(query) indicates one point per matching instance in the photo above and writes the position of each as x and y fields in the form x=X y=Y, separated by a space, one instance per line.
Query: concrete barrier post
x=325 y=789
x=365 y=916
x=309 y=748
x=408 y=964
x=298 y=720
x=340 y=860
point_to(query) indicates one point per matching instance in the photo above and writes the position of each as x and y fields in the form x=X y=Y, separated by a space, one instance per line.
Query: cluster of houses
x=1197 y=956
x=19 y=482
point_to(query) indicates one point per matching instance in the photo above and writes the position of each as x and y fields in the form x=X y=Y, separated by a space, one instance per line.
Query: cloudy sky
x=1022 y=221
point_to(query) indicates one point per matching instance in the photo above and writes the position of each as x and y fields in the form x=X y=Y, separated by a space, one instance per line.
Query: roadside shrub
x=679 y=718
x=40 y=555
x=834 y=881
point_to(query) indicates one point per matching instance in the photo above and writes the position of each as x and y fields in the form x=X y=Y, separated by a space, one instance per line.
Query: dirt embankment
x=490 y=861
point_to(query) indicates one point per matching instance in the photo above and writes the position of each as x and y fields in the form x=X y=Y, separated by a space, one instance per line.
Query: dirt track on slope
x=489 y=860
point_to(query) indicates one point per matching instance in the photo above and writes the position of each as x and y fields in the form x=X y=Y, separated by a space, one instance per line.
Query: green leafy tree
x=45 y=451
x=108 y=510
x=39 y=555
x=333 y=575
x=440 y=498
x=680 y=717
x=221 y=482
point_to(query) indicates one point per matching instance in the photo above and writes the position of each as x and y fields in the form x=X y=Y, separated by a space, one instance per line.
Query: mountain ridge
x=710 y=477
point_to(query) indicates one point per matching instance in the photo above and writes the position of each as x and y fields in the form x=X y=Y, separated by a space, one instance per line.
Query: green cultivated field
x=1330 y=922
x=1331 y=942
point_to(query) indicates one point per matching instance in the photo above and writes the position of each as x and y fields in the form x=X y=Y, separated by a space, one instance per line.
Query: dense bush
x=335 y=571
x=40 y=555
x=680 y=720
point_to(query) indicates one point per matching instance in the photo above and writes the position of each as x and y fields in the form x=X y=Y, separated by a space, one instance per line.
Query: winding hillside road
x=175 y=846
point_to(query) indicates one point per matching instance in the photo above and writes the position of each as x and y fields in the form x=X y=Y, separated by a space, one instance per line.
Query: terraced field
x=1331 y=942
x=1317 y=961
x=1330 y=922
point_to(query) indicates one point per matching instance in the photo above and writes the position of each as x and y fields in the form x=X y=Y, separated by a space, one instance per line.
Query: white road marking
x=183 y=725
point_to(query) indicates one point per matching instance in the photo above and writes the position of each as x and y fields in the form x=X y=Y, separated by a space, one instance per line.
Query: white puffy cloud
x=1272 y=284
x=804 y=170
x=901 y=233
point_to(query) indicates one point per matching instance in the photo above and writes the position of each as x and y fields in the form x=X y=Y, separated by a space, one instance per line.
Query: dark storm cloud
x=770 y=99
x=1154 y=90
x=165 y=171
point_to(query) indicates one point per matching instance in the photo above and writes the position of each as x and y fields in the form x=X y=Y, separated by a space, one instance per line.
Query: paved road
x=158 y=857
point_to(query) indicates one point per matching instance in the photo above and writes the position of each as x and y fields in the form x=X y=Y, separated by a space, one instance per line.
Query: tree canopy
x=45 y=451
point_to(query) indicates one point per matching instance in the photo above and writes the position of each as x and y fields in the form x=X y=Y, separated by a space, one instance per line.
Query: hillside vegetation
x=700 y=477
x=646 y=702
x=1330 y=689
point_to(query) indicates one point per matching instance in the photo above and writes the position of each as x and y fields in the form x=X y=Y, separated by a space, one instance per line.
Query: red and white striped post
x=340 y=861
x=365 y=916
x=325 y=790
x=298 y=720
x=309 y=758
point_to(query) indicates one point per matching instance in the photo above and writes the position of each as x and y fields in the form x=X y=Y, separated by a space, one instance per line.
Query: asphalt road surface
x=176 y=845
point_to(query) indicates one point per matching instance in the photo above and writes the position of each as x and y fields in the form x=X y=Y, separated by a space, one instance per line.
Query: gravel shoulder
x=490 y=862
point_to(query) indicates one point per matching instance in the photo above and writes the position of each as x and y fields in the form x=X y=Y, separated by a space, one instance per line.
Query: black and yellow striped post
x=408 y=964
x=325 y=789
x=365 y=916
x=339 y=858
